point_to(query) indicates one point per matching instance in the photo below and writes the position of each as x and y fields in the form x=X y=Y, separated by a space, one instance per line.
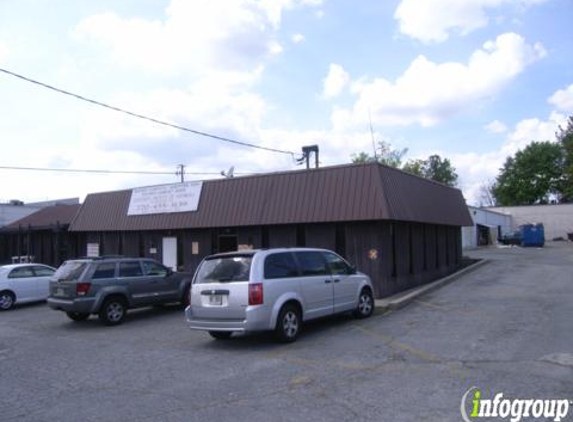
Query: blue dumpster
x=532 y=235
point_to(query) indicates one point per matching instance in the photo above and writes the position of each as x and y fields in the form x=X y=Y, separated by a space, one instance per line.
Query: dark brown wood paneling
x=320 y=236
x=130 y=243
x=361 y=240
x=203 y=240
x=282 y=236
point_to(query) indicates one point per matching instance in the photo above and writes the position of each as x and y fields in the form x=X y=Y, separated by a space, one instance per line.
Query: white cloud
x=563 y=99
x=335 y=81
x=195 y=36
x=4 y=52
x=496 y=127
x=221 y=103
x=435 y=20
x=428 y=92
x=297 y=38
x=534 y=129
x=476 y=169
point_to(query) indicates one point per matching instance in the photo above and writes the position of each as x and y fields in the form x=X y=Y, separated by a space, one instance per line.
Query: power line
x=100 y=171
x=141 y=116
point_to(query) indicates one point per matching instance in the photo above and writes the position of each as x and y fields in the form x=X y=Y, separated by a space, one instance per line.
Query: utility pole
x=181 y=171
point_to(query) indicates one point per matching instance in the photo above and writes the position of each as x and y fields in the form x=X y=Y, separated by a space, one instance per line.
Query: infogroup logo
x=514 y=409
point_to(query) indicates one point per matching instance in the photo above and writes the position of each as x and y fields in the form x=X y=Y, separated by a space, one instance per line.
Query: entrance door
x=170 y=252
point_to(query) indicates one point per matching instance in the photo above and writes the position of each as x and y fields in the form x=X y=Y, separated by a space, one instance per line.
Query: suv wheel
x=77 y=316
x=221 y=335
x=365 y=306
x=288 y=324
x=113 y=311
x=7 y=300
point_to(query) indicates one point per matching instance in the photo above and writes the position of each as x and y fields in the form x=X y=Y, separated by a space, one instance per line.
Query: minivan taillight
x=82 y=288
x=256 y=294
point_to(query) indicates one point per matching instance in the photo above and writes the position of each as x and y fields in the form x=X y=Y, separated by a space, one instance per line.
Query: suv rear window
x=280 y=265
x=70 y=270
x=224 y=269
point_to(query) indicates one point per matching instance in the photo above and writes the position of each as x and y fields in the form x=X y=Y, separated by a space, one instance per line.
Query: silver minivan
x=274 y=290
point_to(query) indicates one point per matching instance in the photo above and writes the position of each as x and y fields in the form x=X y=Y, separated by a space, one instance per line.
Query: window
x=22 y=272
x=337 y=265
x=130 y=269
x=104 y=270
x=154 y=269
x=43 y=271
x=70 y=270
x=280 y=265
x=312 y=263
x=224 y=269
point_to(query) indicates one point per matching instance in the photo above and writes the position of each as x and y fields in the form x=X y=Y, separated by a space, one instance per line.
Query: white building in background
x=489 y=225
x=16 y=210
x=557 y=219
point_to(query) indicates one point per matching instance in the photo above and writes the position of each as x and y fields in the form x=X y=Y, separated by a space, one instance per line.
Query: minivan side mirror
x=353 y=269
x=169 y=272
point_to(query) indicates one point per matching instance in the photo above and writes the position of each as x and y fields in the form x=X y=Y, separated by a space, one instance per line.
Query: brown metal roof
x=46 y=218
x=355 y=192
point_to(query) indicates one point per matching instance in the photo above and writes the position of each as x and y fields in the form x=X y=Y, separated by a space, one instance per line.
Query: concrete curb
x=402 y=299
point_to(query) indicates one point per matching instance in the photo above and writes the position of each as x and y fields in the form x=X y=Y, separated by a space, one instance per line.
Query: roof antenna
x=372 y=134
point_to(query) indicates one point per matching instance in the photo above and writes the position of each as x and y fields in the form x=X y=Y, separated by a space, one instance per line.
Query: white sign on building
x=177 y=197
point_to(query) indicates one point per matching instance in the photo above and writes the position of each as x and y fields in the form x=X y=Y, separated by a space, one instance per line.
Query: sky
x=471 y=80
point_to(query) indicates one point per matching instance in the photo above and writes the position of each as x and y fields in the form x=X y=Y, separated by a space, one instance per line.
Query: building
x=488 y=226
x=557 y=219
x=15 y=209
x=400 y=229
x=41 y=236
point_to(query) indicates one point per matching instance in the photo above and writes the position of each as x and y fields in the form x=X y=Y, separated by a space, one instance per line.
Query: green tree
x=415 y=167
x=385 y=154
x=565 y=138
x=440 y=170
x=434 y=168
x=532 y=176
x=362 y=158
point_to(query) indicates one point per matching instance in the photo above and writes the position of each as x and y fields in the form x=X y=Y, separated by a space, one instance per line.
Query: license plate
x=216 y=300
x=60 y=292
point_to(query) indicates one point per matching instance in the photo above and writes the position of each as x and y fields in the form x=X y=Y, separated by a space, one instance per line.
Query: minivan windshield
x=224 y=269
x=70 y=270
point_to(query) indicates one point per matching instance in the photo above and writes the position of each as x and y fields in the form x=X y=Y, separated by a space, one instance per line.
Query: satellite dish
x=229 y=173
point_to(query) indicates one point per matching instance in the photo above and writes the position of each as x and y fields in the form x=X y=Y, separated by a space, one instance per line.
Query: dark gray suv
x=108 y=286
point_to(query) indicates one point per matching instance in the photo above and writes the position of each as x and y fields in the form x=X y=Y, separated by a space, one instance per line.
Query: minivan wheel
x=77 y=316
x=7 y=300
x=365 y=306
x=113 y=311
x=288 y=324
x=221 y=335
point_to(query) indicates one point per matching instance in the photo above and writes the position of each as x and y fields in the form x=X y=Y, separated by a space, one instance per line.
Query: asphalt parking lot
x=506 y=327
